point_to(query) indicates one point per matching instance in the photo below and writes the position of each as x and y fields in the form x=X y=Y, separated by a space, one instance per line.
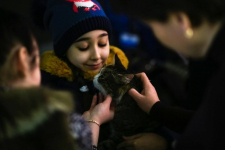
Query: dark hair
x=15 y=30
x=197 y=10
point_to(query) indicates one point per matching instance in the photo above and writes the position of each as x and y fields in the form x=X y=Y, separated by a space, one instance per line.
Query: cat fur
x=129 y=119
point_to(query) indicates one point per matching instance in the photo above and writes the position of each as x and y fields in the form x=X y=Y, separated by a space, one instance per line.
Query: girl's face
x=90 y=51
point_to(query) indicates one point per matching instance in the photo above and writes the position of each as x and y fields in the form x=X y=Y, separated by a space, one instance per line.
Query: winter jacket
x=57 y=74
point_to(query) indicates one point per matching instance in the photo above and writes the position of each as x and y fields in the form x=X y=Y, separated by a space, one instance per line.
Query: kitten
x=129 y=119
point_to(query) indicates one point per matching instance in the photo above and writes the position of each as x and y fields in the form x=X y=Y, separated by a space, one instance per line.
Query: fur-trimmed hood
x=55 y=66
x=24 y=110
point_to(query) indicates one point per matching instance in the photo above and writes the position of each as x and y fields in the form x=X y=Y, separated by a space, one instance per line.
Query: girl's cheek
x=106 y=55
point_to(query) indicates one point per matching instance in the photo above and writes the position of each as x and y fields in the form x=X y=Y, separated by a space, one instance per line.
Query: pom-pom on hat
x=69 y=19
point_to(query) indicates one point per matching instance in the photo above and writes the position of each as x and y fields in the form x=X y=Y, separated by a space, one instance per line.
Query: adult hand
x=143 y=141
x=148 y=97
x=101 y=112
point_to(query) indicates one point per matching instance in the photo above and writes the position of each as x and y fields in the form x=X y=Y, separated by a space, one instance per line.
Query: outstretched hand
x=101 y=112
x=148 y=97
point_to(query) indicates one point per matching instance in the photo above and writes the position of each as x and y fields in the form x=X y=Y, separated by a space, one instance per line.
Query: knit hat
x=69 y=19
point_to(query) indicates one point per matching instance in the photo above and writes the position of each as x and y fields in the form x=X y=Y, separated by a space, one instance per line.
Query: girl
x=33 y=117
x=81 y=32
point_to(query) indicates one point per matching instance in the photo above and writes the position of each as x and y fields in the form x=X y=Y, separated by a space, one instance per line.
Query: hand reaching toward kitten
x=148 y=97
x=99 y=114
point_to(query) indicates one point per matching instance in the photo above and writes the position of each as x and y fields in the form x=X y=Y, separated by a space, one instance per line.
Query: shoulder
x=46 y=77
x=121 y=55
x=56 y=82
x=55 y=66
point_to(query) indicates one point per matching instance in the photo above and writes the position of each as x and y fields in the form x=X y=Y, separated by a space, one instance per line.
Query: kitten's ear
x=118 y=62
x=127 y=78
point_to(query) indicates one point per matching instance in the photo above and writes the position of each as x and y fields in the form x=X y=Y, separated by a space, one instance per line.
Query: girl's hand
x=143 y=141
x=101 y=112
x=148 y=97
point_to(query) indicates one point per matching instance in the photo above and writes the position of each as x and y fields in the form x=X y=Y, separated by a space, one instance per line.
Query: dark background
x=23 y=7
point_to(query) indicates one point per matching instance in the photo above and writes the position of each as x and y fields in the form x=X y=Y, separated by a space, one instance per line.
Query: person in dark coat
x=195 y=29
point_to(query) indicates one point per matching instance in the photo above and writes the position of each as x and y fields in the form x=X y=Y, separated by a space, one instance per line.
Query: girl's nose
x=95 y=54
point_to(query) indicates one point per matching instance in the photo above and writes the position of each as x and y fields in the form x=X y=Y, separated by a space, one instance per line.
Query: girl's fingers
x=94 y=101
x=100 y=100
x=108 y=100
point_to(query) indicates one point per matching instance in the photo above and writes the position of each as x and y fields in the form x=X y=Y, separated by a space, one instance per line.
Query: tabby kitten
x=129 y=119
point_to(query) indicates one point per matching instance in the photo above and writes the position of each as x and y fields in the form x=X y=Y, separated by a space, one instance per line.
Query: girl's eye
x=83 y=49
x=102 y=45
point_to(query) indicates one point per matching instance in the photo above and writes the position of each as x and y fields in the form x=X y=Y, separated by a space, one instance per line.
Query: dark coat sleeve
x=174 y=118
x=206 y=130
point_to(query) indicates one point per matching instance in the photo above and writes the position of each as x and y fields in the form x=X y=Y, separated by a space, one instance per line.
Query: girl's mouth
x=94 y=66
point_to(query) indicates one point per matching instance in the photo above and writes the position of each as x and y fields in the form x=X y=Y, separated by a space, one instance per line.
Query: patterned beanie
x=69 y=19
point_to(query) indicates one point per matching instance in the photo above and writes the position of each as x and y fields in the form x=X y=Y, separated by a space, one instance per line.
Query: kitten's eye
x=102 y=45
x=83 y=49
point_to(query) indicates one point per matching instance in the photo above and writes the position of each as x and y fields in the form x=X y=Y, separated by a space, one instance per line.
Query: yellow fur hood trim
x=55 y=66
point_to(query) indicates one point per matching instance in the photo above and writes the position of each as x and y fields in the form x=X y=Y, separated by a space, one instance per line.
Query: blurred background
x=24 y=7
x=166 y=69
